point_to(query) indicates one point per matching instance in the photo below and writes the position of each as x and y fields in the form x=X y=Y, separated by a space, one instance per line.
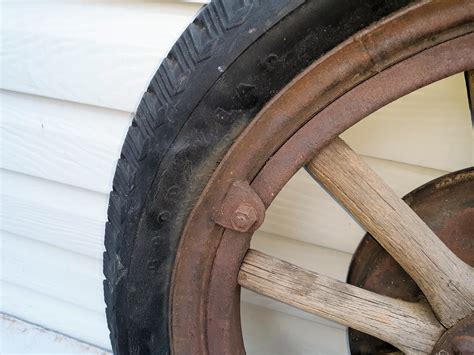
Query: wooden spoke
x=446 y=281
x=411 y=327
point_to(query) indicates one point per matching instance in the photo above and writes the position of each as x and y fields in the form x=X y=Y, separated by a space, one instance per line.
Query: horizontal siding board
x=276 y=333
x=53 y=313
x=51 y=271
x=100 y=53
x=64 y=216
x=26 y=338
x=53 y=226
x=270 y=304
x=61 y=141
x=430 y=127
x=49 y=194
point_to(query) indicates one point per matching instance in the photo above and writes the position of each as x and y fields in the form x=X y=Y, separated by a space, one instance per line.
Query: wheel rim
x=293 y=128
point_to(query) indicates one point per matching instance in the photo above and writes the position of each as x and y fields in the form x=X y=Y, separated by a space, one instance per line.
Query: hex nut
x=243 y=218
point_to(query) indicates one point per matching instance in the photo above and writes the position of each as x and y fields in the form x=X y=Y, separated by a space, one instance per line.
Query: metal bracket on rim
x=242 y=209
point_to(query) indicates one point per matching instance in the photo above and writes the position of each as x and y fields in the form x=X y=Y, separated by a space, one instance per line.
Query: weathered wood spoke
x=446 y=281
x=411 y=327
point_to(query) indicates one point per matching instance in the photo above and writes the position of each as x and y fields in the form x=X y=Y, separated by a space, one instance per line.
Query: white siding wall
x=72 y=74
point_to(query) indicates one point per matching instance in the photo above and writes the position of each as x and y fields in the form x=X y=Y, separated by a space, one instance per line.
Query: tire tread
x=192 y=49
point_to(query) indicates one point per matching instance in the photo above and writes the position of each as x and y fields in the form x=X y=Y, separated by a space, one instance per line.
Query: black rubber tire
x=227 y=64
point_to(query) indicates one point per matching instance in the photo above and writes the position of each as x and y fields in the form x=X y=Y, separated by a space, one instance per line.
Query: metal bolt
x=243 y=218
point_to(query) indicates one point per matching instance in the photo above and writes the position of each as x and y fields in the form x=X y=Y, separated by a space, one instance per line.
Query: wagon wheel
x=298 y=128
x=446 y=281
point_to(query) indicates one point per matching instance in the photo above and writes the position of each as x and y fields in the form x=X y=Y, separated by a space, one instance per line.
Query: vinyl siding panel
x=73 y=73
x=100 y=53
x=62 y=141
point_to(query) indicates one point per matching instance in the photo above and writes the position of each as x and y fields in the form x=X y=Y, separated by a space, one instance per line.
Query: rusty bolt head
x=243 y=218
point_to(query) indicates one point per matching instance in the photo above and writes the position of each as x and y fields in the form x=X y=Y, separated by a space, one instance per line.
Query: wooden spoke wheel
x=424 y=245
x=251 y=93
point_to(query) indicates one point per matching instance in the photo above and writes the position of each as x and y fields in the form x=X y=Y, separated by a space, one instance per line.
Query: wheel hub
x=446 y=205
x=457 y=340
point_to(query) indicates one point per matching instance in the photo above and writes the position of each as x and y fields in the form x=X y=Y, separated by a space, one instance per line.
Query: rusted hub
x=446 y=205
x=457 y=340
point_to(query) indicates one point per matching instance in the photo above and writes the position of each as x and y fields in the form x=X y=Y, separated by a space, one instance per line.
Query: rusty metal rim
x=272 y=178
x=205 y=295
x=458 y=339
